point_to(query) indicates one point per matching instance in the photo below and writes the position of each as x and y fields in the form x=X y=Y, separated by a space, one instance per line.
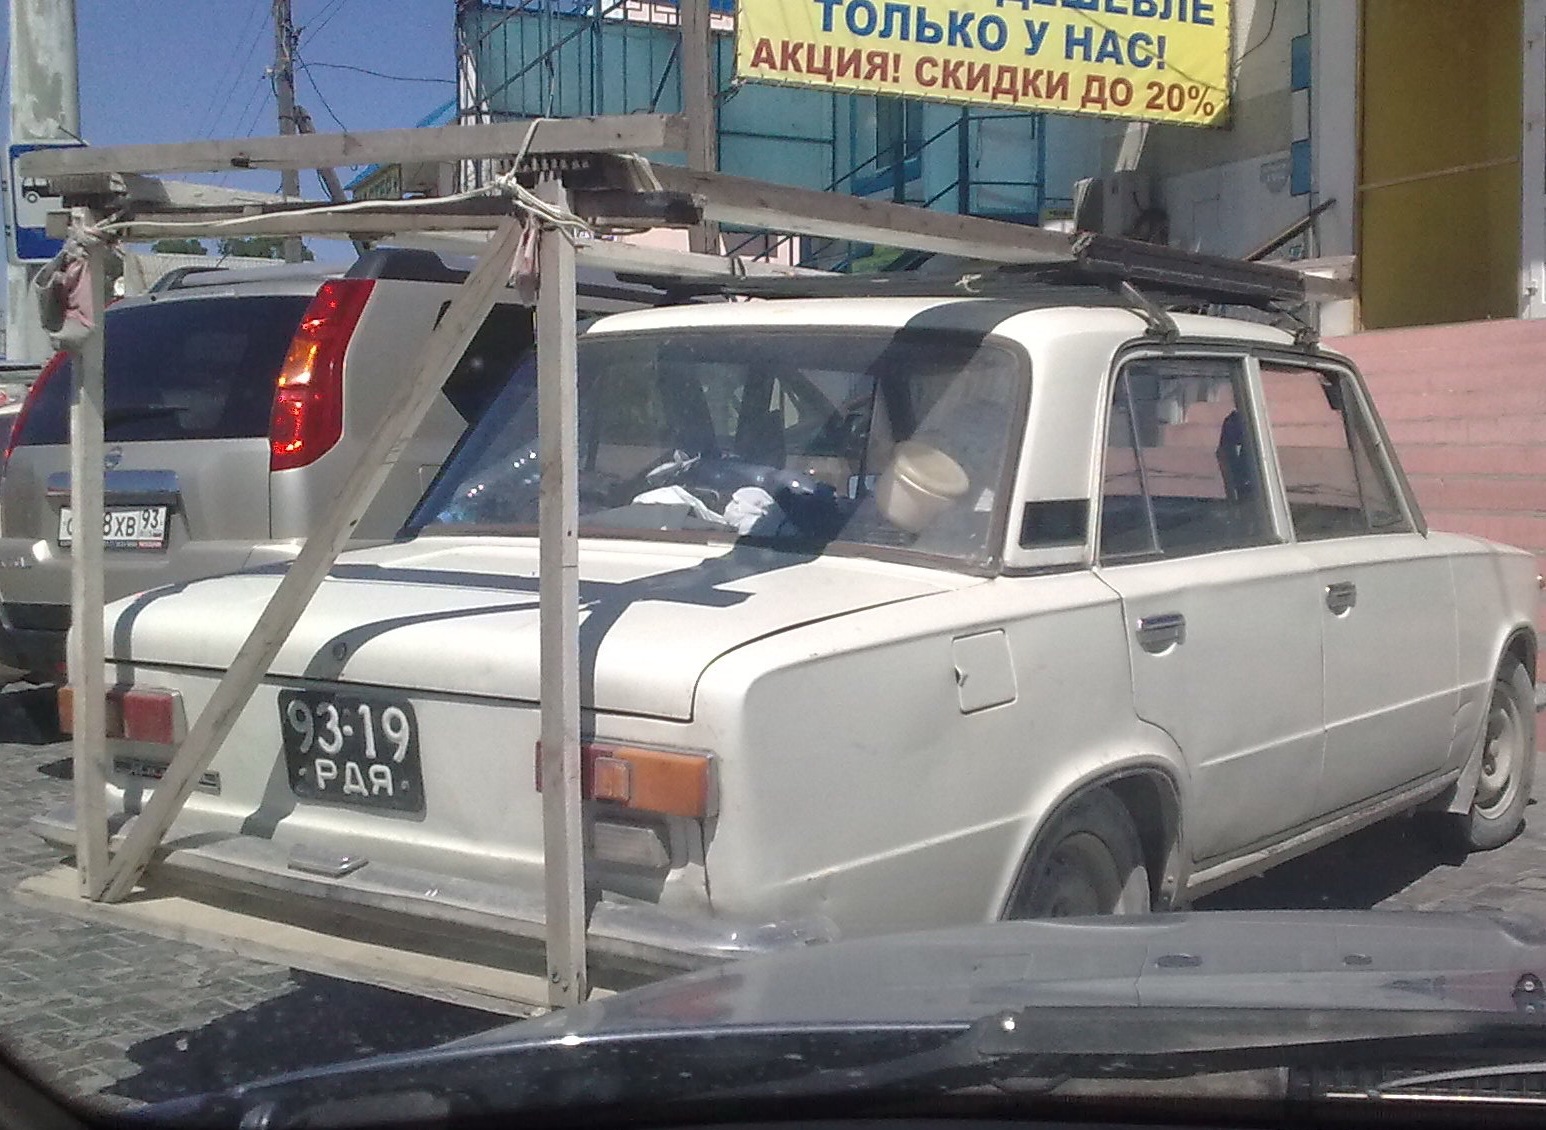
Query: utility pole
x=284 y=92
x=695 y=51
x=335 y=190
x=45 y=106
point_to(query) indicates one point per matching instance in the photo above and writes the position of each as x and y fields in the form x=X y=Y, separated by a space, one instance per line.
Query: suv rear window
x=502 y=340
x=191 y=369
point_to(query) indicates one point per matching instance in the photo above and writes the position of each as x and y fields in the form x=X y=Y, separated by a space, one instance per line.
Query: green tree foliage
x=259 y=247
x=179 y=247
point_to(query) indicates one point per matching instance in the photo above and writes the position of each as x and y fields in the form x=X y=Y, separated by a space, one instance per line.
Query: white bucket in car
x=918 y=485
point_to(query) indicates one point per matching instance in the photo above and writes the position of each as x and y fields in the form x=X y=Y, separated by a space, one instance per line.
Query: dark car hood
x=1209 y=980
x=1290 y=959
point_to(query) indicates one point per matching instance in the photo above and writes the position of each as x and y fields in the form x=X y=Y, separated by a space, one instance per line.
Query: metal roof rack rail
x=1146 y=277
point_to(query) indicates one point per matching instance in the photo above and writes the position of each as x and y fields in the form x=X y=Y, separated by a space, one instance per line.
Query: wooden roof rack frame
x=581 y=166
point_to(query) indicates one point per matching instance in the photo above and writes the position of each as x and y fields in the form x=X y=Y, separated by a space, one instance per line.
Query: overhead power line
x=235 y=65
x=324 y=17
x=306 y=69
x=379 y=74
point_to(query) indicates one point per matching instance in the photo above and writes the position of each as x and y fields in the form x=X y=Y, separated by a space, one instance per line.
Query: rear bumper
x=632 y=934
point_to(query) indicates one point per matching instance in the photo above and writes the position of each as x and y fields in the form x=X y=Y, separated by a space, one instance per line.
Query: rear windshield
x=200 y=369
x=879 y=439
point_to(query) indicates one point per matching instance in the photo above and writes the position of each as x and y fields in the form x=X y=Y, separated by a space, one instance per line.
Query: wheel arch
x=1151 y=794
x=1521 y=645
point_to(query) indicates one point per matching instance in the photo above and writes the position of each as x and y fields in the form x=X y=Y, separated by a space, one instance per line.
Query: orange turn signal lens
x=611 y=778
x=133 y=714
x=648 y=780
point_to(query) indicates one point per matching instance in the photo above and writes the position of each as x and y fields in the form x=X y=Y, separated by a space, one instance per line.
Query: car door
x=1221 y=616
x=1387 y=609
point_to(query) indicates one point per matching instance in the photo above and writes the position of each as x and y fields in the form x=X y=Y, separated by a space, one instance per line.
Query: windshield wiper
x=138 y=412
x=1515 y=1082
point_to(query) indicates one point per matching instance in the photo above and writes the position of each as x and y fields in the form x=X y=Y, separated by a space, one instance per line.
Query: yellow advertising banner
x=1156 y=60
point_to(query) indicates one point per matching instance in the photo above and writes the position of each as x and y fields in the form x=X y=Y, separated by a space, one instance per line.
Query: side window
x=1335 y=483
x=1183 y=470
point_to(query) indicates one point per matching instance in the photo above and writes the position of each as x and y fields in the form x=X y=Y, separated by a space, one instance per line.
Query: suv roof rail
x=174 y=278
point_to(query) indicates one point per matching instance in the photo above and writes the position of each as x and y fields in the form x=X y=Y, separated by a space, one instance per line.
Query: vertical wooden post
x=697 y=55
x=85 y=661
x=558 y=586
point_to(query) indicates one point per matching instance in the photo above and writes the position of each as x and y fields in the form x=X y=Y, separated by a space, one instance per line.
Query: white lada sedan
x=896 y=613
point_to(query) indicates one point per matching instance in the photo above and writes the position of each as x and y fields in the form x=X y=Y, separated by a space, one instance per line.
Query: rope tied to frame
x=66 y=303
x=540 y=214
x=504 y=185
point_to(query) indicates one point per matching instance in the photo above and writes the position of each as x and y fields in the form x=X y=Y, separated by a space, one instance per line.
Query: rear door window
x=1336 y=483
x=192 y=369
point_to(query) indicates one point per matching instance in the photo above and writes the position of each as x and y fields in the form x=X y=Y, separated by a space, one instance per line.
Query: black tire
x=1087 y=861
x=1508 y=769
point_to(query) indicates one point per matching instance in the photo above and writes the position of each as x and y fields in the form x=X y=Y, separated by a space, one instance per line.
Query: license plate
x=123 y=527
x=359 y=750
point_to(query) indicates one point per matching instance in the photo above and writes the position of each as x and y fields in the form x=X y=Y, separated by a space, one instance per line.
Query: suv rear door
x=190 y=391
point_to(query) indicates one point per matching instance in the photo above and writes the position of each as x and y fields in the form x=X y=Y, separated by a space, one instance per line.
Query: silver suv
x=237 y=401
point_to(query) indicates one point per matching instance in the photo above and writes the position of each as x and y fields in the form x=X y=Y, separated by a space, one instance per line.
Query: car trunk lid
x=461 y=616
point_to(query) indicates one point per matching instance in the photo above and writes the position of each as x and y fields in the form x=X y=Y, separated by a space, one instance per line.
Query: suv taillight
x=19 y=426
x=308 y=414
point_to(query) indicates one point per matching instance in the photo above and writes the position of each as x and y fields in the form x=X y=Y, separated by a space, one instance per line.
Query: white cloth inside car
x=752 y=511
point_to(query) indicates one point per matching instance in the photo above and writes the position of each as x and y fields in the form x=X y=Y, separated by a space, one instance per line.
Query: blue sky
x=183 y=70
x=176 y=70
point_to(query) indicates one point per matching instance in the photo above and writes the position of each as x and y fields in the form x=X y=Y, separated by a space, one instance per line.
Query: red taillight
x=55 y=363
x=308 y=416
x=138 y=715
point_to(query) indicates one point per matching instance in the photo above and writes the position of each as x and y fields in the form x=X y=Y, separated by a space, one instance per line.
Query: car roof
x=979 y=315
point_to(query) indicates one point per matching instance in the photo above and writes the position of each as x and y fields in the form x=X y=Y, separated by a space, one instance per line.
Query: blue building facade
x=572 y=58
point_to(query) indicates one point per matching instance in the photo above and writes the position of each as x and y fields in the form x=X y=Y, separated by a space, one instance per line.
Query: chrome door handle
x=1341 y=596
x=1161 y=632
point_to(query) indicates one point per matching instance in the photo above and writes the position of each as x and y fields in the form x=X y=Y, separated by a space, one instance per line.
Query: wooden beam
x=614 y=255
x=163 y=195
x=627 y=133
x=374 y=223
x=695 y=48
x=623 y=257
x=404 y=412
x=780 y=208
x=558 y=588
x=85 y=664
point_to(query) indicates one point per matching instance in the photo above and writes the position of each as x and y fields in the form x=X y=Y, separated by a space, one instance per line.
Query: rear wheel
x=1088 y=861
x=1507 y=774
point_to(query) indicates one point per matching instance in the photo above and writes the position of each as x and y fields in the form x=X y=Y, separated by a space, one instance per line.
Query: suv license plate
x=123 y=527
x=358 y=750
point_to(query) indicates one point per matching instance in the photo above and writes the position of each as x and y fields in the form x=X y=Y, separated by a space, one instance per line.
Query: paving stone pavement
x=120 y=1018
